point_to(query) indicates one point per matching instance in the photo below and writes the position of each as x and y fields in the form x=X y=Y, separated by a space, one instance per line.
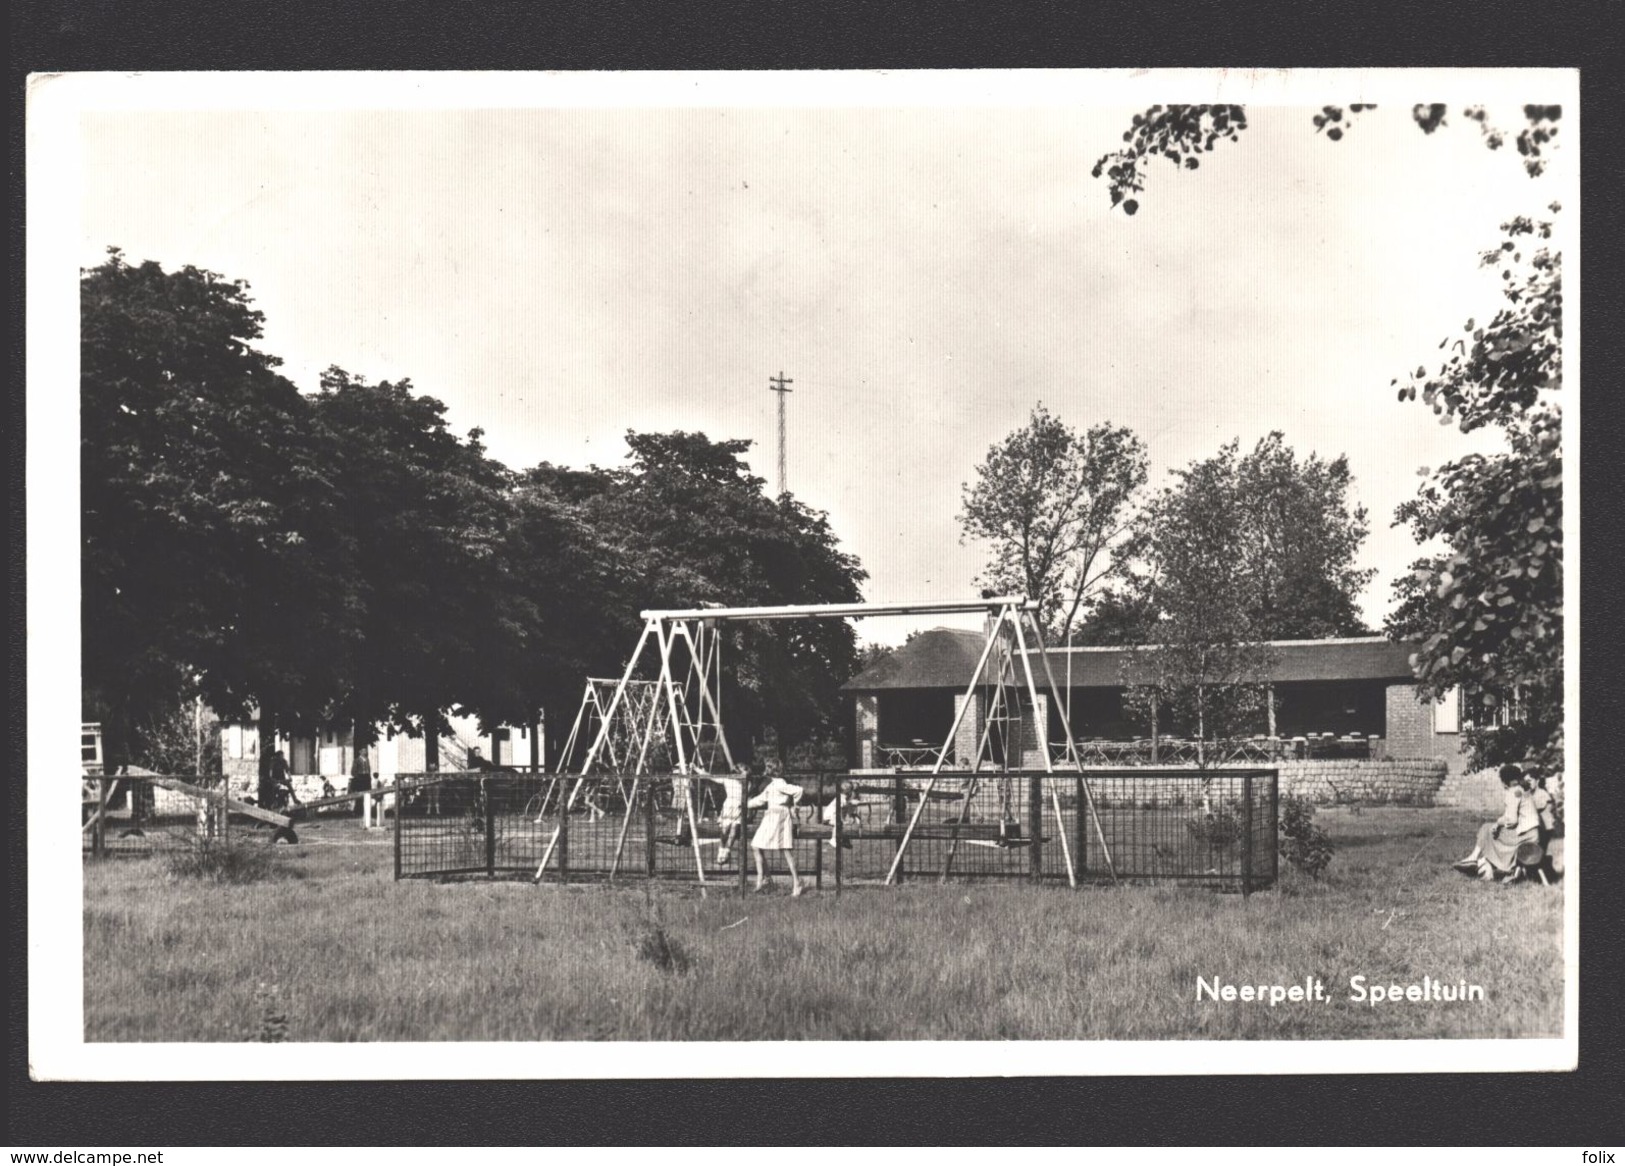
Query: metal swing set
x=679 y=713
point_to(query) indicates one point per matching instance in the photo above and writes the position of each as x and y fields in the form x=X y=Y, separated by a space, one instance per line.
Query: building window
x=1493 y=711
x=90 y=745
x=1447 y=712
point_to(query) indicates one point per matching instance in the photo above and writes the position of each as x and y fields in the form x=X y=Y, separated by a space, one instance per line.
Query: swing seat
x=1008 y=842
x=908 y=795
x=708 y=833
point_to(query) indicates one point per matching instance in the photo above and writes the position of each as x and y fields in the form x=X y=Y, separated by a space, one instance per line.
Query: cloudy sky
x=924 y=272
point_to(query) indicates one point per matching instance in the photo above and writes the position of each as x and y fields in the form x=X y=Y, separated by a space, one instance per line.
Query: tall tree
x=211 y=555
x=694 y=526
x=579 y=577
x=1205 y=669
x=1056 y=508
x=1486 y=614
x=1304 y=531
x=1295 y=535
x=441 y=625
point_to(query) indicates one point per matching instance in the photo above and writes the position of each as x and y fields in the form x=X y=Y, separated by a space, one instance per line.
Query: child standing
x=733 y=799
x=777 y=831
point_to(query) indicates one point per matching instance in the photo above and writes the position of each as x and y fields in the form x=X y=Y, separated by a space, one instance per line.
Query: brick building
x=1358 y=692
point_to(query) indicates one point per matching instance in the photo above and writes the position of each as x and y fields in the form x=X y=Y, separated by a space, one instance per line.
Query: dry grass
x=339 y=952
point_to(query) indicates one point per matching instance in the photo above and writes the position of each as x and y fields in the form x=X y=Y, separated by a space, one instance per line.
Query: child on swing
x=777 y=829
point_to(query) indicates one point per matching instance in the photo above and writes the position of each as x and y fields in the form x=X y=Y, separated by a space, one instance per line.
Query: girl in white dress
x=733 y=798
x=777 y=830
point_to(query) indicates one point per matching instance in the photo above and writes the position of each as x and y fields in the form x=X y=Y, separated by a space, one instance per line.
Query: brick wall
x=866 y=716
x=1410 y=731
x=969 y=735
x=1035 y=734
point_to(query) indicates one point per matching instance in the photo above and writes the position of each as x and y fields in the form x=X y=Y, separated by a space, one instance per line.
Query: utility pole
x=779 y=385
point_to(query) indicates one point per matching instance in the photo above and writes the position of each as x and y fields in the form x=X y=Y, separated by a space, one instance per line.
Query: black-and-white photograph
x=1068 y=567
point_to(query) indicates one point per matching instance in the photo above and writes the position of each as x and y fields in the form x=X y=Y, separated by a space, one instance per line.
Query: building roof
x=939 y=658
x=947 y=658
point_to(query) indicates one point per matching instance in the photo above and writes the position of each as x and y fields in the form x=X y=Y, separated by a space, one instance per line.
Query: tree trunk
x=1201 y=729
x=267 y=741
x=431 y=743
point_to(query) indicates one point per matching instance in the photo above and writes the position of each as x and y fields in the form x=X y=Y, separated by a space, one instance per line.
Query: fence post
x=649 y=829
x=840 y=807
x=1246 y=834
x=564 y=836
x=399 y=804
x=742 y=842
x=490 y=827
x=818 y=843
x=1275 y=826
x=98 y=832
x=1080 y=826
x=899 y=814
x=1035 y=826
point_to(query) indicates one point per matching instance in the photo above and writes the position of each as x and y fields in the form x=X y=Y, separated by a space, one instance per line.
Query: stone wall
x=1405 y=783
x=1481 y=790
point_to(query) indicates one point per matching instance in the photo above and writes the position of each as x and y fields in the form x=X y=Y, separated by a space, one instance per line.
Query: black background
x=1497 y=1109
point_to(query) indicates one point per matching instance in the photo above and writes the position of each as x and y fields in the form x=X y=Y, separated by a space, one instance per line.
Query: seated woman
x=1551 y=822
x=1498 y=841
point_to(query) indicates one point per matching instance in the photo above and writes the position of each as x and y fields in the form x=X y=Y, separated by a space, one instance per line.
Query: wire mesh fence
x=138 y=815
x=164 y=813
x=1215 y=826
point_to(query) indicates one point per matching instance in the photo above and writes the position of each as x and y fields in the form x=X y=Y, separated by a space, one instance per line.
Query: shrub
x=1217 y=828
x=664 y=952
x=217 y=863
x=1303 y=844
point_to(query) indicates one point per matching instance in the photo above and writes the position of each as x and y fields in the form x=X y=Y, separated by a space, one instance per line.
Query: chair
x=1531 y=856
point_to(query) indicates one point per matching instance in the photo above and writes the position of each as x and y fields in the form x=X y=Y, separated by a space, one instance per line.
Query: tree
x=1057 y=508
x=440 y=623
x=1182 y=133
x=690 y=524
x=211 y=556
x=1296 y=534
x=1207 y=666
x=579 y=577
x=184 y=738
x=1304 y=532
x=1486 y=614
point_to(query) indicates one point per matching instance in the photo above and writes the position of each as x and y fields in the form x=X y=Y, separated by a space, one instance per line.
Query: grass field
x=329 y=948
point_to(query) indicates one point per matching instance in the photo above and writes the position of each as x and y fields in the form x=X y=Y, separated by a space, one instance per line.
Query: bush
x=217 y=863
x=657 y=948
x=1303 y=844
x=1217 y=828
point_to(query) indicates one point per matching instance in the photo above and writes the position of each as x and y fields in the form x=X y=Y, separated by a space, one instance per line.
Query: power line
x=779 y=385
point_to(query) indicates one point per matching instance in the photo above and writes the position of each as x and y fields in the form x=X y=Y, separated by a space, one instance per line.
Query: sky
x=924 y=275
